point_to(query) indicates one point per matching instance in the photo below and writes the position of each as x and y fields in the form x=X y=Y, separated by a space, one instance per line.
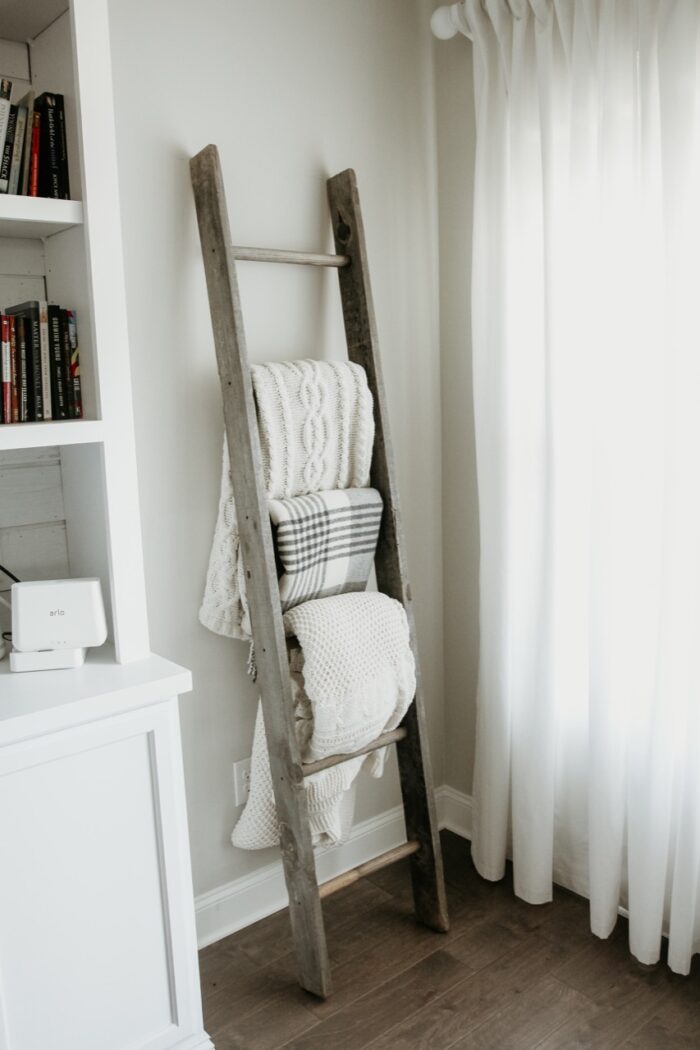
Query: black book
x=6 y=161
x=21 y=325
x=49 y=149
x=64 y=181
x=66 y=353
x=59 y=401
x=30 y=313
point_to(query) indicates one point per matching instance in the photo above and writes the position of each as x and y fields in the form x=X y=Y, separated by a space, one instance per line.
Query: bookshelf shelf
x=37 y=216
x=58 y=432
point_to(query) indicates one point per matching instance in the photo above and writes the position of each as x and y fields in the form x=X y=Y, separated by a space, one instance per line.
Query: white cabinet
x=97 y=939
x=97 y=936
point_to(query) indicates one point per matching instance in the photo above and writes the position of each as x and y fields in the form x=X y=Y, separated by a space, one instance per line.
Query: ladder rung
x=368 y=868
x=279 y=255
x=334 y=760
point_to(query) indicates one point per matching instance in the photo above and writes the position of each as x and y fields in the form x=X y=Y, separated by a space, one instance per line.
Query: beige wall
x=291 y=92
x=454 y=98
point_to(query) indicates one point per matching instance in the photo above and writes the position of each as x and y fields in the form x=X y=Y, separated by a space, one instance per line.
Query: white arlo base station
x=55 y=622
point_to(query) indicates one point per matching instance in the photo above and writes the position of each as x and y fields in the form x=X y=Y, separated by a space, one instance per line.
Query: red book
x=5 y=369
x=14 y=371
x=34 y=156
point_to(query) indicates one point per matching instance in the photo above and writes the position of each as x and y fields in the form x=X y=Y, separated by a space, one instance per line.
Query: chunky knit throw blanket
x=353 y=678
x=316 y=432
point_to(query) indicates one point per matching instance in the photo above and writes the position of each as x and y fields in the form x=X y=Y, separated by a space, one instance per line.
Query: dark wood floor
x=508 y=976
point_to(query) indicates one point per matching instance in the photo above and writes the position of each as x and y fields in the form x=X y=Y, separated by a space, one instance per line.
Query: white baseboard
x=454 y=811
x=242 y=902
x=197 y=1042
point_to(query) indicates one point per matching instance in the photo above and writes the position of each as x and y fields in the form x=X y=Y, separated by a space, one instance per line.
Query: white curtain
x=586 y=343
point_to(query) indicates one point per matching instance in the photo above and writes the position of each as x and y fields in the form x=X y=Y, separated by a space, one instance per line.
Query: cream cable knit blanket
x=316 y=432
x=353 y=678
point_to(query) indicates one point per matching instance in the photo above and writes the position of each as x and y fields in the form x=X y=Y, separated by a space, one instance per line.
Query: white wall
x=456 y=133
x=291 y=92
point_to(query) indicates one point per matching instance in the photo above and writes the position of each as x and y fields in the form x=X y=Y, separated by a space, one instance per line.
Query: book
x=62 y=148
x=35 y=401
x=5 y=96
x=17 y=149
x=33 y=190
x=49 y=146
x=28 y=102
x=5 y=369
x=14 y=371
x=58 y=387
x=66 y=356
x=75 y=365
x=45 y=351
x=23 y=377
x=6 y=156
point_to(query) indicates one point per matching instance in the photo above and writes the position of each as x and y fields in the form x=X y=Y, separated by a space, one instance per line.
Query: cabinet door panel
x=88 y=945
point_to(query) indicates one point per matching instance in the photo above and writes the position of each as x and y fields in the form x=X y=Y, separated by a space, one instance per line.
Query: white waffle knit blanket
x=353 y=678
x=316 y=432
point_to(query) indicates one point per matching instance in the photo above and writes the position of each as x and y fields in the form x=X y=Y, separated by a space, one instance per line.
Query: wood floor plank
x=654 y=1035
x=282 y=1015
x=392 y=946
x=605 y=972
x=475 y=1000
x=353 y=1027
x=626 y=993
x=484 y=941
x=529 y=1018
x=271 y=938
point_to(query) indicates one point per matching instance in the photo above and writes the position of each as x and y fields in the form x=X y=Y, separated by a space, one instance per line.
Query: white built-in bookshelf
x=70 y=252
x=95 y=885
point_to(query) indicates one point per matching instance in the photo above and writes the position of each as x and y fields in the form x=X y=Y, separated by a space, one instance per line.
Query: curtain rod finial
x=444 y=22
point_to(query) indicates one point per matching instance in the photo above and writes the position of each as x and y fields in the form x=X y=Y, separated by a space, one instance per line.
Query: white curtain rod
x=451 y=19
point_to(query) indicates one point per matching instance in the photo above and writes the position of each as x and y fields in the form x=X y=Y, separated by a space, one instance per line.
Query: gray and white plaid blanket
x=325 y=542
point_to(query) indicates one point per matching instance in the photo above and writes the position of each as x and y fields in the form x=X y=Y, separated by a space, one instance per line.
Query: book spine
x=34 y=155
x=18 y=149
x=49 y=183
x=45 y=361
x=75 y=365
x=5 y=94
x=58 y=387
x=34 y=341
x=62 y=147
x=14 y=371
x=22 y=361
x=27 y=101
x=6 y=368
x=65 y=363
x=6 y=161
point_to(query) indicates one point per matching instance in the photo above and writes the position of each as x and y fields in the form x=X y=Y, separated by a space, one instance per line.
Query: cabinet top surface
x=44 y=701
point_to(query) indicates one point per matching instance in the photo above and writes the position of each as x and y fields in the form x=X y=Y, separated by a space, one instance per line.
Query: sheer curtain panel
x=586 y=344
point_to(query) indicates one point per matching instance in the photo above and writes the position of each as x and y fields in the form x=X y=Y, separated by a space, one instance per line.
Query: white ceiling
x=25 y=19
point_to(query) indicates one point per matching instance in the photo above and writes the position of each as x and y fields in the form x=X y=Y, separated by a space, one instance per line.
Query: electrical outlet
x=241 y=781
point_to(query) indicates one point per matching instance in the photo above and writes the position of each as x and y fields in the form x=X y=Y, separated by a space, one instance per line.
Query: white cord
x=3 y=645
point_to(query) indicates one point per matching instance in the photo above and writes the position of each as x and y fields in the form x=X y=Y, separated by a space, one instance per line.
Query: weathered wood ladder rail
x=288 y=772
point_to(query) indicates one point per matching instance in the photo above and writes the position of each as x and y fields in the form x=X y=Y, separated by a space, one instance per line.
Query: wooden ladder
x=288 y=771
